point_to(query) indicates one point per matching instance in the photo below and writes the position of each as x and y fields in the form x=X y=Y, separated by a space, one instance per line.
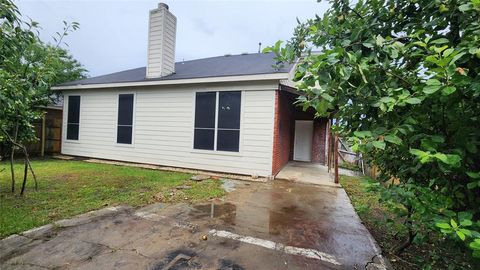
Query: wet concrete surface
x=307 y=173
x=275 y=225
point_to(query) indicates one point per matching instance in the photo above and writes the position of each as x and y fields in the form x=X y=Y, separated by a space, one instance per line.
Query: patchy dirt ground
x=435 y=252
x=275 y=225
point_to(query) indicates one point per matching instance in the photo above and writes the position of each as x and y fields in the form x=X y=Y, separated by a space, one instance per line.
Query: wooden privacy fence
x=48 y=130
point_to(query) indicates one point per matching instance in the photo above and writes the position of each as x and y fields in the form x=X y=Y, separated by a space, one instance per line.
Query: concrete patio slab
x=275 y=225
x=306 y=172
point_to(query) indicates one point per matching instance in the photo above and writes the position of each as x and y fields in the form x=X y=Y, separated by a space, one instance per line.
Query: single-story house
x=232 y=113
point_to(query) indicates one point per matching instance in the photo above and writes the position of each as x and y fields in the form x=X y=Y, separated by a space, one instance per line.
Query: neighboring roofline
x=239 y=78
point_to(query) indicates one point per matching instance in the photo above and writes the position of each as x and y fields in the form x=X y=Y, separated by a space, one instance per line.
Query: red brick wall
x=319 y=140
x=283 y=132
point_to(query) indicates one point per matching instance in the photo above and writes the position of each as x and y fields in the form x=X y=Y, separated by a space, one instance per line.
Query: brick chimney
x=162 y=27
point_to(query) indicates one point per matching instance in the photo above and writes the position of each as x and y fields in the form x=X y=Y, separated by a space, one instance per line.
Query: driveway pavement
x=275 y=225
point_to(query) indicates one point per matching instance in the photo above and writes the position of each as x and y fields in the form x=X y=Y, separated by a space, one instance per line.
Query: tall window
x=217 y=121
x=125 y=118
x=73 y=119
x=204 y=137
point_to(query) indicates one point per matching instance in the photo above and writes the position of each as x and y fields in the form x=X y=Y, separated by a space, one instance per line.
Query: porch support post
x=335 y=154
x=42 y=151
x=330 y=146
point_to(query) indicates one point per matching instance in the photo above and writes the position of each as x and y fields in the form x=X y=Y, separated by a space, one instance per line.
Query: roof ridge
x=180 y=62
x=225 y=55
x=116 y=72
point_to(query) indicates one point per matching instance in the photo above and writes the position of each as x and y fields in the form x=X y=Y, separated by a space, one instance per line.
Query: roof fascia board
x=289 y=81
x=51 y=107
x=257 y=77
x=290 y=89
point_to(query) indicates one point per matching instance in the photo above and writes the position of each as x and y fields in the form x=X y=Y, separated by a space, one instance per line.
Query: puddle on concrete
x=228 y=185
x=224 y=211
x=303 y=216
x=183 y=259
x=178 y=259
x=273 y=209
x=229 y=265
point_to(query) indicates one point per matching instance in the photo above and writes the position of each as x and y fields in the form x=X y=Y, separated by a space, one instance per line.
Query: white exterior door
x=302 y=150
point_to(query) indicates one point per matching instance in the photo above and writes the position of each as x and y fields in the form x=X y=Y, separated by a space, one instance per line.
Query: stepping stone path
x=200 y=177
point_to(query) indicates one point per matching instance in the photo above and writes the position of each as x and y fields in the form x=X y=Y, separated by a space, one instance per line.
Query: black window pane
x=204 y=139
x=72 y=131
x=124 y=134
x=205 y=110
x=125 y=109
x=73 y=109
x=229 y=109
x=228 y=140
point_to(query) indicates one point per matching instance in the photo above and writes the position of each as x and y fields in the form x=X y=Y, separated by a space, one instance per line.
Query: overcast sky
x=113 y=33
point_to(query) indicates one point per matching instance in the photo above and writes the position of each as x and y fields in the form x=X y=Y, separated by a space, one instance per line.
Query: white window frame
x=66 y=100
x=132 y=144
x=217 y=100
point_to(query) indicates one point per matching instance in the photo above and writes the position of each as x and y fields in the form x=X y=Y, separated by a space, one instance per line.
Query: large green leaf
x=413 y=100
x=472 y=185
x=448 y=90
x=393 y=139
x=443 y=225
x=453 y=223
x=379 y=144
x=474 y=175
x=440 y=41
x=431 y=89
x=465 y=7
x=475 y=244
x=433 y=82
x=418 y=153
x=363 y=134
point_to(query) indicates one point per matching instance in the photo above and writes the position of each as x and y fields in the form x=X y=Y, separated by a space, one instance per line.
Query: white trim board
x=258 y=77
x=305 y=252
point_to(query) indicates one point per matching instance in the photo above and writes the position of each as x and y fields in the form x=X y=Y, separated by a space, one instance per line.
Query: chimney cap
x=160 y=5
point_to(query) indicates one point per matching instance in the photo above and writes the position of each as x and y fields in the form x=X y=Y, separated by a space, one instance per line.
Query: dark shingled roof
x=229 y=65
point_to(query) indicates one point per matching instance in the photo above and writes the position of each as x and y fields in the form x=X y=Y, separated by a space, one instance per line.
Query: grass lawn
x=68 y=188
x=438 y=253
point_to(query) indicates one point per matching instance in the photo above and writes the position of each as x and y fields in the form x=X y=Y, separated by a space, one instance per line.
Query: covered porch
x=300 y=141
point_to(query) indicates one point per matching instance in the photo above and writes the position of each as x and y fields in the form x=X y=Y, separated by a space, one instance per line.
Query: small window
x=125 y=118
x=217 y=124
x=73 y=118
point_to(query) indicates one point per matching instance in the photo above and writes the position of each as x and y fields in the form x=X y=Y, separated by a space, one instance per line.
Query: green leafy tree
x=402 y=79
x=28 y=67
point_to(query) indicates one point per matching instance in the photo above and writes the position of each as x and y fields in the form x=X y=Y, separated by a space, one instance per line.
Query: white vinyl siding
x=164 y=121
